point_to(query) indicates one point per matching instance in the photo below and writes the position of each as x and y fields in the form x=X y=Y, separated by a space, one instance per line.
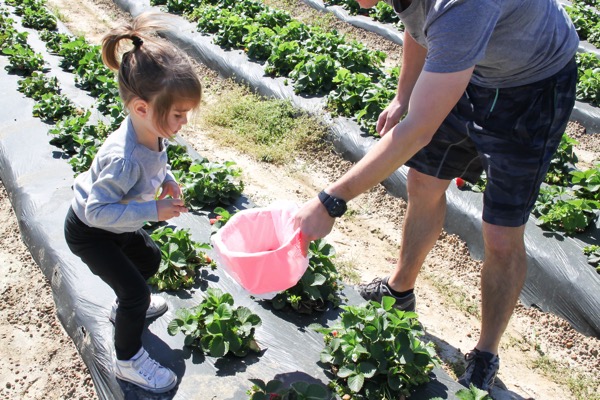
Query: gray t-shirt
x=510 y=42
x=118 y=192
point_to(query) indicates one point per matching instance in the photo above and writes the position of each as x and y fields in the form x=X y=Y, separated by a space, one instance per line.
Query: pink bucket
x=261 y=250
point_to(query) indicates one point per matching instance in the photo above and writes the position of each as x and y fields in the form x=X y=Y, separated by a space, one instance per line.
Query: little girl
x=117 y=195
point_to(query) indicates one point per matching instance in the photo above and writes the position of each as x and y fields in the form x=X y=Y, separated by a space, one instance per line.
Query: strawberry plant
x=374 y=351
x=563 y=161
x=319 y=284
x=54 y=40
x=215 y=327
x=274 y=390
x=588 y=84
x=585 y=19
x=557 y=209
x=586 y=184
x=472 y=393
x=222 y=217
x=593 y=254
x=65 y=131
x=209 y=183
x=180 y=259
x=53 y=107
x=9 y=36
x=82 y=160
x=314 y=75
x=23 y=60
x=39 y=18
x=178 y=157
x=38 y=84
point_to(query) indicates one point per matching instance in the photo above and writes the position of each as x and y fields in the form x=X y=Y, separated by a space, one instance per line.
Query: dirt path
x=48 y=367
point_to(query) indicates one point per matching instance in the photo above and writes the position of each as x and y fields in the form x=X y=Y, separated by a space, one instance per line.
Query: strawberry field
x=67 y=102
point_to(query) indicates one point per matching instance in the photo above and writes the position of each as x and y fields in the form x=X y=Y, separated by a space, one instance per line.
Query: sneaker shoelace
x=147 y=367
x=476 y=361
x=374 y=287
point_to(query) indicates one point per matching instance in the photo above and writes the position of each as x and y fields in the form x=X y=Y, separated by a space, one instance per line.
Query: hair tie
x=137 y=41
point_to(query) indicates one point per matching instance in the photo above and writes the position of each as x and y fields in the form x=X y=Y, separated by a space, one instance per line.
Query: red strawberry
x=460 y=182
x=334 y=333
x=212 y=221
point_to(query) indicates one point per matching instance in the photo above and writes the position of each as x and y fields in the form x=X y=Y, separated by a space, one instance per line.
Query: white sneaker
x=146 y=373
x=157 y=307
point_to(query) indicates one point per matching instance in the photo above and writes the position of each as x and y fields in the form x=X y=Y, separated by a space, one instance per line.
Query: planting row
x=361 y=350
x=355 y=88
x=585 y=17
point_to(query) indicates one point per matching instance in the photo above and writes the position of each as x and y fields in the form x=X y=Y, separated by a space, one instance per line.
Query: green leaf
x=367 y=369
x=388 y=302
x=218 y=347
x=346 y=371
x=356 y=382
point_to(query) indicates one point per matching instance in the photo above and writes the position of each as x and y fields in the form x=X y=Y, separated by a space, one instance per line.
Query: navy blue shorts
x=511 y=134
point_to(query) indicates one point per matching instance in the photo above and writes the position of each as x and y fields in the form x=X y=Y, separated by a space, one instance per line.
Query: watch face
x=336 y=208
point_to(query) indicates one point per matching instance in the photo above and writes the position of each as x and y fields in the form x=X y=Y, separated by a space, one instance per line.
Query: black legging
x=124 y=261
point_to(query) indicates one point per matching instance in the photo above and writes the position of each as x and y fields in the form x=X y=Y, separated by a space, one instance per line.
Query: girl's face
x=177 y=118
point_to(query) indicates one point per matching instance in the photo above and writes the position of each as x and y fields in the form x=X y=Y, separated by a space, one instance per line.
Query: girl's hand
x=169 y=208
x=170 y=188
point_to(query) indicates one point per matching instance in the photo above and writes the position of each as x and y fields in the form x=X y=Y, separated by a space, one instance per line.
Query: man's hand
x=391 y=116
x=314 y=222
x=169 y=208
x=170 y=188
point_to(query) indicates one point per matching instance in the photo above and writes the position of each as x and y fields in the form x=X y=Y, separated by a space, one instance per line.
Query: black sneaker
x=379 y=288
x=481 y=369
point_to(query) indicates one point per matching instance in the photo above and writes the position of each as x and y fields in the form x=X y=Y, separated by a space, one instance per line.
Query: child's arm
x=104 y=206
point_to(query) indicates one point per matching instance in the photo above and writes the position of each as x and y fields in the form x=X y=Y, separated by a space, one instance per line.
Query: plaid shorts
x=511 y=134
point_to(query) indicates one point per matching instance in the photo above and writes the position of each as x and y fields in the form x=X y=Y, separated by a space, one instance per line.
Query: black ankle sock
x=399 y=294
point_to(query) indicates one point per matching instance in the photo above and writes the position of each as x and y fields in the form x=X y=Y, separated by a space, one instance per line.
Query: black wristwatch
x=335 y=207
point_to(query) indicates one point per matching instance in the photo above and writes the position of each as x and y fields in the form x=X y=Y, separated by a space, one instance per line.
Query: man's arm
x=434 y=95
x=413 y=59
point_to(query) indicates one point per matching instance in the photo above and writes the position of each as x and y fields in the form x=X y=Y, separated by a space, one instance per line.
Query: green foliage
x=53 y=107
x=66 y=132
x=586 y=184
x=222 y=217
x=472 y=393
x=319 y=284
x=274 y=390
x=562 y=162
x=585 y=19
x=54 y=40
x=375 y=351
x=557 y=209
x=588 y=84
x=215 y=327
x=38 y=18
x=181 y=258
x=179 y=158
x=593 y=254
x=38 y=84
x=23 y=60
x=210 y=183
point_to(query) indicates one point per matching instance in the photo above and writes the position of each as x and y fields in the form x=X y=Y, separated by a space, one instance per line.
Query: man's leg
x=502 y=277
x=422 y=227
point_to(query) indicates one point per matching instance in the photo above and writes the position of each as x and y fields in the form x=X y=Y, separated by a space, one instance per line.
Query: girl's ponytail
x=152 y=69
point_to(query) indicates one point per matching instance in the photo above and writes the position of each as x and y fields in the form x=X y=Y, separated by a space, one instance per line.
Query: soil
x=42 y=363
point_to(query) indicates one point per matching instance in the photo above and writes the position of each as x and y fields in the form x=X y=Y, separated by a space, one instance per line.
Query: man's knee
x=503 y=241
x=425 y=187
